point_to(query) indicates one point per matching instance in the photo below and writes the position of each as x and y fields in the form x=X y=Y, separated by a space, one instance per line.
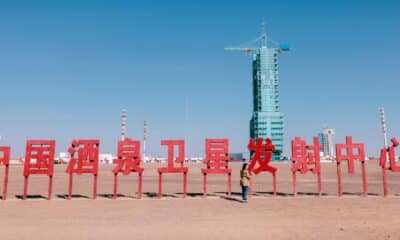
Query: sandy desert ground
x=219 y=216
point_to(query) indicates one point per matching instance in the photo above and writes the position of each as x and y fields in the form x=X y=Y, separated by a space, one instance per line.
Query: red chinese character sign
x=128 y=161
x=84 y=159
x=217 y=161
x=352 y=152
x=5 y=160
x=171 y=168
x=262 y=150
x=39 y=159
x=306 y=158
x=385 y=153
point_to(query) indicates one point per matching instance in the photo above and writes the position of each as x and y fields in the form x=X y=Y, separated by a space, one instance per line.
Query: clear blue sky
x=68 y=68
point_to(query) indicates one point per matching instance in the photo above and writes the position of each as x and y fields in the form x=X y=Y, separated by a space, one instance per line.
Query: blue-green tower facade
x=267 y=120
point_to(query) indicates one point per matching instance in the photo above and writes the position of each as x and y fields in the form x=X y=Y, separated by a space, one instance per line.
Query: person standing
x=245 y=179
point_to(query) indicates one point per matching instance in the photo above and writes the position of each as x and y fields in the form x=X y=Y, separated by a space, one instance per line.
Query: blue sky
x=68 y=68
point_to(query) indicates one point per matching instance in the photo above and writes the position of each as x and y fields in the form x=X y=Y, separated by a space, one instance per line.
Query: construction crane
x=260 y=42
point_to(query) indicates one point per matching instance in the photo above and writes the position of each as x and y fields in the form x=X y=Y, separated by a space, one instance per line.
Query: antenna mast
x=123 y=124
x=384 y=129
x=263 y=33
x=144 y=139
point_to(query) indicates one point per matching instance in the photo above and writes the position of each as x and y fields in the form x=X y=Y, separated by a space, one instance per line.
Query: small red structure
x=39 y=159
x=217 y=161
x=392 y=163
x=262 y=154
x=5 y=160
x=304 y=158
x=180 y=159
x=128 y=161
x=353 y=151
x=84 y=159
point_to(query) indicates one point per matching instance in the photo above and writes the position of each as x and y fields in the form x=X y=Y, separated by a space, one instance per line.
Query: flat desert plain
x=219 y=216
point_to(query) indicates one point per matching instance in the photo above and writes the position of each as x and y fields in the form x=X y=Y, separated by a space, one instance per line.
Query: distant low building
x=235 y=157
x=104 y=158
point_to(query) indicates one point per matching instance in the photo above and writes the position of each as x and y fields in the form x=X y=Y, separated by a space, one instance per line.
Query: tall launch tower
x=267 y=120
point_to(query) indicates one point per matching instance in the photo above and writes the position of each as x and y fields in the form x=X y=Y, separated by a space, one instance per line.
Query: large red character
x=262 y=150
x=180 y=159
x=39 y=159
x=353 y=152
x=5 y=160
x=84 y=159
x=128 y=161
x=217 y=161
x=392 y=162
x=304 y=158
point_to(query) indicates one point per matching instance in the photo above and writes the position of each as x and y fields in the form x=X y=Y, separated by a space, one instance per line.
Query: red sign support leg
x=25 y=187
x=115 y=185
x=159 y=184
x=294 y=184
x=339 y=177
x=50 y=187
x=5 y=183
x=184 y=184
x=140 y=186
x=364 y=179
x=5 y=160
x=385 y=187
x=204 y=185
x=319 y=185
x=229 y=184
x=94 y=186
x=70 y=182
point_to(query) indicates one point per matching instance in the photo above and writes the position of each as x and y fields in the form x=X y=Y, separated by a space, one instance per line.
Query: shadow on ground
x=155 y=195
x=31 y=197
x=231 y=199
x=271 y=194
x=65 y=196
x=359 y=194
x=310 y=194
x=111 y=196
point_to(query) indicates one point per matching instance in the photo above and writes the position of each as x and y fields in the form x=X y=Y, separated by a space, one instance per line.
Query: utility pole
x=123 y=124
x=383 y=124
x=144 y=139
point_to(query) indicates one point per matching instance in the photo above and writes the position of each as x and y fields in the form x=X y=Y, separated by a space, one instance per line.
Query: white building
x=328 y=142
x=104 y=158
